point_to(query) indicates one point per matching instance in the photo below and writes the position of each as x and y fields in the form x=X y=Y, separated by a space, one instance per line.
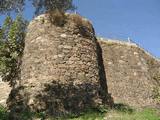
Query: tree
x=12 y=33
x=11 y=5
x=11 y=48
x=51 y=5
x=40 y=5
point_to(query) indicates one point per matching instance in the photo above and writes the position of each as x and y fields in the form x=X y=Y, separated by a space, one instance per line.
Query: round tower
x=61 y=72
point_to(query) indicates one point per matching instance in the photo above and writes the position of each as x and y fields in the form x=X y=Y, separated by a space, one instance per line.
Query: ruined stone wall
x=60 y=69
x=129 y=71
x=65 y=70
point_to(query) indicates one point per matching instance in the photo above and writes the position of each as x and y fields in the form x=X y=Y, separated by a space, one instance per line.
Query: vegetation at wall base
x=3 y=113
x=120 y=112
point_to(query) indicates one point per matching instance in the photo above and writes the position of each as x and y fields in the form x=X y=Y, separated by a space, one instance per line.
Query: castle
x=67 y=69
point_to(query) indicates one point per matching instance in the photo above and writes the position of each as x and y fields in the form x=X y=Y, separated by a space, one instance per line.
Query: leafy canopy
x=41 y=6
x=9 y=5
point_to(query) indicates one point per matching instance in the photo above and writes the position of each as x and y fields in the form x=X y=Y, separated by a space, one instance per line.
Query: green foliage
x=145 y=114
x=41 y=115
x=116 y=114
x=11 y=5
x=40 y=5
x=89 y=114
x=11 y=48
x=3 y=113
x=26 y=115
x=51 y=5
x=92 y=114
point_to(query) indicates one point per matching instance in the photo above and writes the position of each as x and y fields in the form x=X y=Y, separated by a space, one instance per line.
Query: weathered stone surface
x=63 y=71
x=130 y=82
x=4 y=92
x=60 y=71
x=130 y=72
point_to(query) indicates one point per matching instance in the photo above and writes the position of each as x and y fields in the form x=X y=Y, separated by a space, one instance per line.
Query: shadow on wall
x=60 y=99
x=103 y=80
x=17 y=104
x=55 y=100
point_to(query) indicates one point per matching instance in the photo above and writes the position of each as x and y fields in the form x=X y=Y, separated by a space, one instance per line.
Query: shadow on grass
x=88 y=114
x=60 y=99
x=123 y=108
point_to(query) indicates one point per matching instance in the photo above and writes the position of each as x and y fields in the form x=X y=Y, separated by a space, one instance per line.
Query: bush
x=80 y=21
x=77 y=19
x=85 y=27
x=57 y=17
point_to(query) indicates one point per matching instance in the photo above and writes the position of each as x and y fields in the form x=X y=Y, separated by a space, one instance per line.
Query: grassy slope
x=115 y=114
x=146 y=114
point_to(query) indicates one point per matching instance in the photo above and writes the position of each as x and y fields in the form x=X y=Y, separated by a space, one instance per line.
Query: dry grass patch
x=84 y=26
x=81 y=22
x=57 y=17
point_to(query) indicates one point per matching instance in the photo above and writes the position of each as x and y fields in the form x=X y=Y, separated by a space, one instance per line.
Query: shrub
x=77 y=19
x=80 y=21
x=84 y=25
x=57 y=17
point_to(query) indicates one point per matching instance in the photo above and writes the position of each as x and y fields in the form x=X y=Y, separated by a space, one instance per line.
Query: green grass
x=90 y=115
x=3 y=113
x=146 y=114
x=120 y=112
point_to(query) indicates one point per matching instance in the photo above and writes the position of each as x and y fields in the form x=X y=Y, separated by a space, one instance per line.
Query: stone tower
x=62 y=71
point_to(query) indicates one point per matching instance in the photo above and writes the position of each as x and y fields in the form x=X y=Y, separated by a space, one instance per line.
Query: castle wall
x=60 y=69
x=129 y=72
x=65 y=70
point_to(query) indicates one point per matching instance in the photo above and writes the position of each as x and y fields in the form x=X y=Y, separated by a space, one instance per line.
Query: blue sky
x=120 y=19
x=137 y=19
